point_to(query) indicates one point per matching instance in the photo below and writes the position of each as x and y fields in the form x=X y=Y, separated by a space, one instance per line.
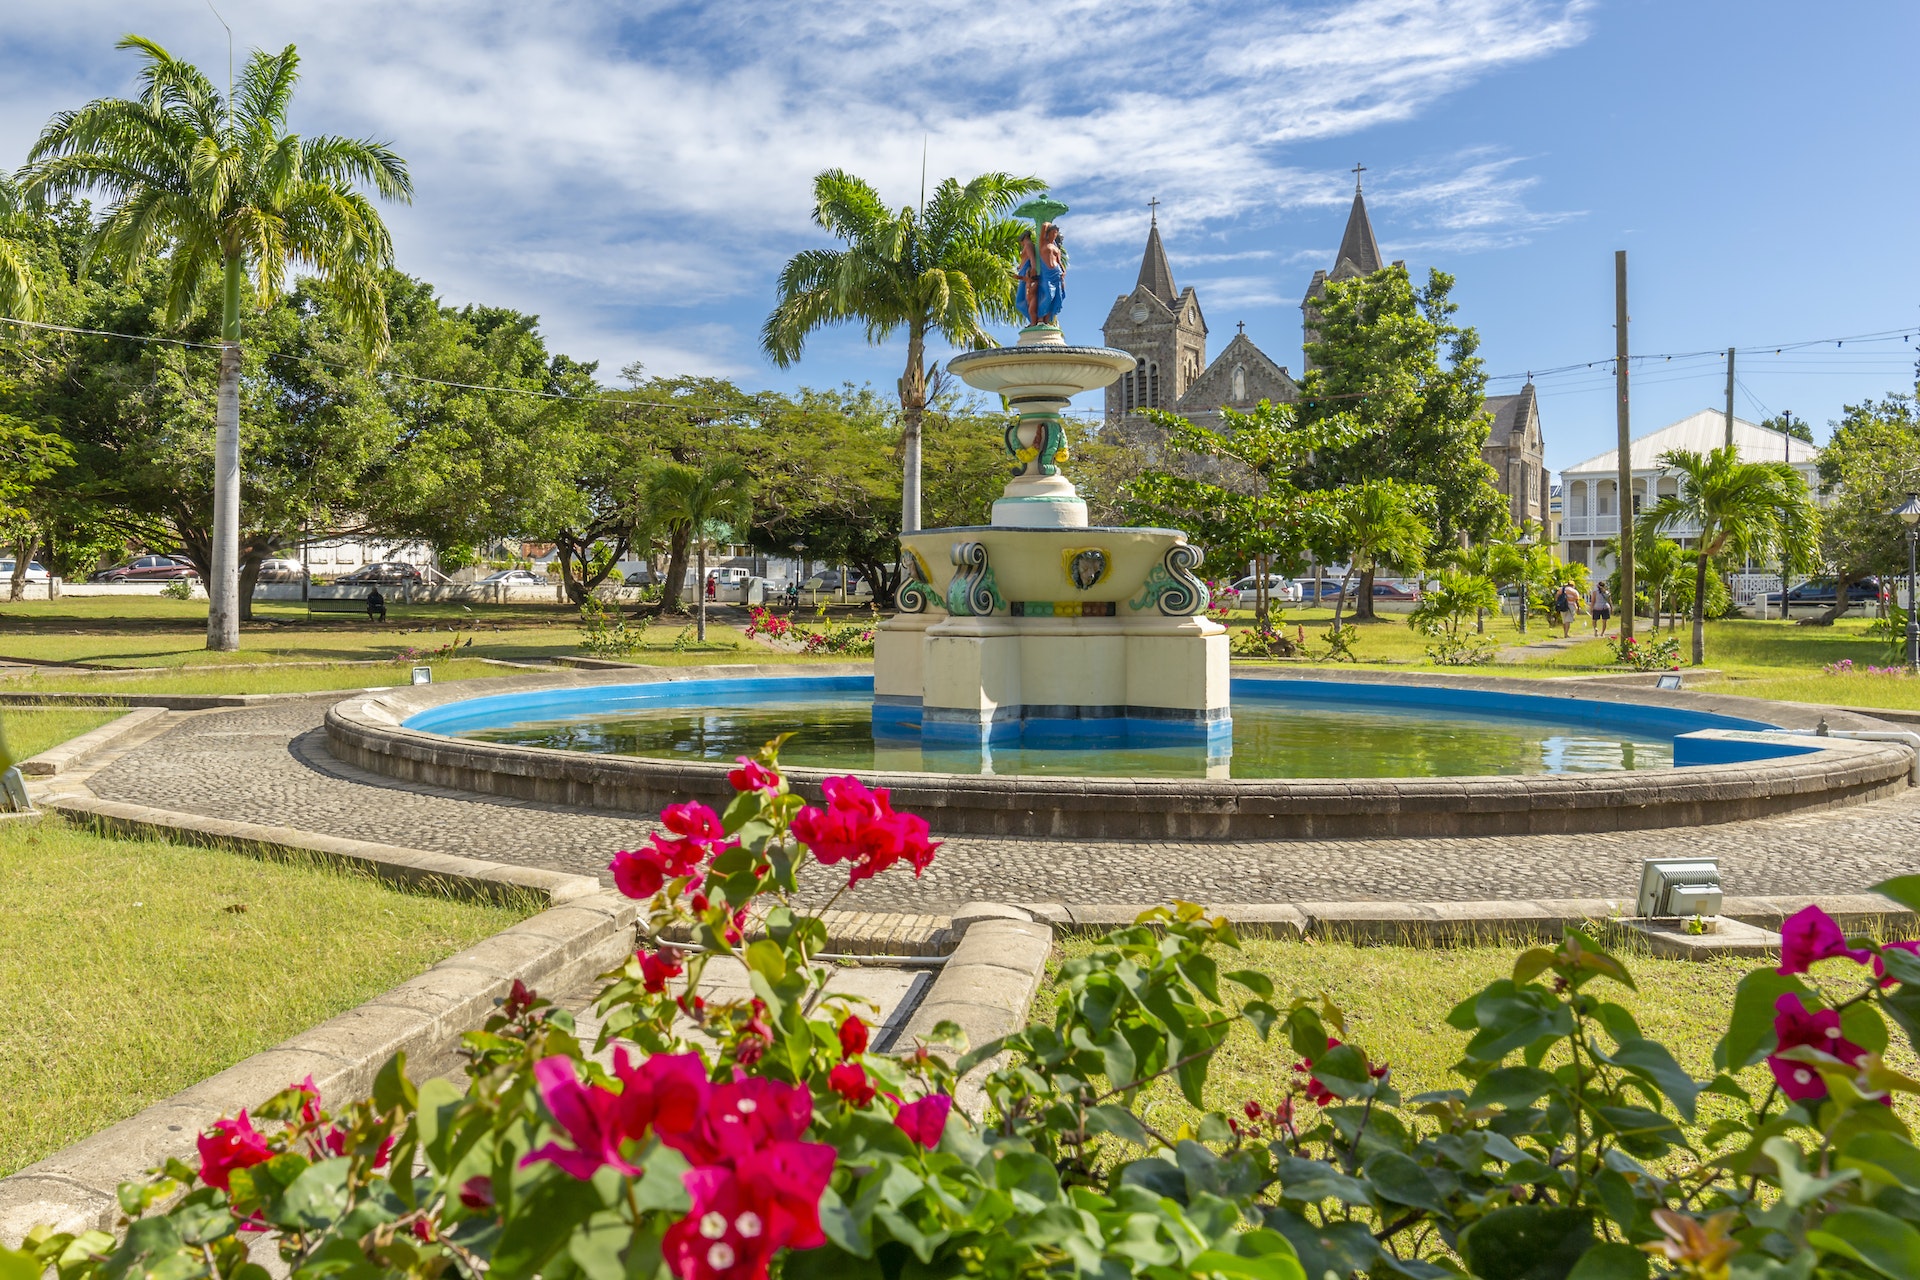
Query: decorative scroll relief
x=1172 y=586
x=915 y=593
x=973 y=592
x=1049 y=447
x=1086 y=567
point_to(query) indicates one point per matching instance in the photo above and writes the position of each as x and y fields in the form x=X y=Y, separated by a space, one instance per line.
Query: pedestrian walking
x=1566 y=602
x=1600 y=607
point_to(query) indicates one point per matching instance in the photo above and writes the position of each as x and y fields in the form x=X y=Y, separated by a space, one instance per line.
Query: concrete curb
x=75 y=751
x=74 y=1189
x=986 y=987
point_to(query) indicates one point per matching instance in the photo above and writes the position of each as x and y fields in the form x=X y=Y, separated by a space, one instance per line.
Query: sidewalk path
x=271 y=765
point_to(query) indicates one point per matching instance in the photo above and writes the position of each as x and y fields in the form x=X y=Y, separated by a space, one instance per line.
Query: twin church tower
x=1164 y=330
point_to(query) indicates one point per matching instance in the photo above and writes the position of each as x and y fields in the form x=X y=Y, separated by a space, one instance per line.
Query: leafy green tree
x=943 y=270
x=1498 y=560
x=1739 y=509
x=19 y=274
x=1391 y=357
x=1658 y=565
x=1869 y=466
x=220 y=186
x=1786 y=425
x=703 y=501
x=1448 y=600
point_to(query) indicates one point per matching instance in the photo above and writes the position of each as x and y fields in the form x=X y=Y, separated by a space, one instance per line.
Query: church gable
x=1240 y=377
x=1138 y=309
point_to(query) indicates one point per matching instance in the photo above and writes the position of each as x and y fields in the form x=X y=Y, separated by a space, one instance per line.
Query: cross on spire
x=1358 y=169
x=1153 y=211
x=1243 y=328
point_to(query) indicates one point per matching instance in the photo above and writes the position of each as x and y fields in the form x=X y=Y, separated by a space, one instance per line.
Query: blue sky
x=635 y=173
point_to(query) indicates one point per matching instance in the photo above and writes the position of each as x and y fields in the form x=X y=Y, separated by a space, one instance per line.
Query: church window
x=1153 y=384
x=1239 y=383
x=1136 y=385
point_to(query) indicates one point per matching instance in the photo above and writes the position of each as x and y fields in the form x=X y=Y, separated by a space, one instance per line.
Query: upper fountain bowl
x=1040 y=370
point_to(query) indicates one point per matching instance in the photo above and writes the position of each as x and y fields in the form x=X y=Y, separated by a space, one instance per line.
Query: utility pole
x=1624 y=421
x=1729 y=397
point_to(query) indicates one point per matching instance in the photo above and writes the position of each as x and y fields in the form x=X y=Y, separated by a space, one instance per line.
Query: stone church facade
x=1165 y=331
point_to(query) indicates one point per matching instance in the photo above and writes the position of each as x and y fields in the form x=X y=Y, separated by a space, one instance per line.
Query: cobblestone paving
x=271 y=765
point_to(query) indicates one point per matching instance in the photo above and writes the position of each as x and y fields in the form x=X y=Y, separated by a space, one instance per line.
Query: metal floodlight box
x=1678 y=887
x=423 y=675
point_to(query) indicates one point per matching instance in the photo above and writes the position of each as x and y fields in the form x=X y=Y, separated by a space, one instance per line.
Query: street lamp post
x=1909 y=511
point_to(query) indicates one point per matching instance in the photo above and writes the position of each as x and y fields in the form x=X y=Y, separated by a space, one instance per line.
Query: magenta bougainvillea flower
x=743 y=1213
x=853 y=1036
x=850 y=1081
x=1796 y=1027
x=589 y=1115
x=1909 y=945
x=1810 y=934
x=658 y=966
x=859 y=827
x=229 y=1145
x=753 y=776
x=925 y=1119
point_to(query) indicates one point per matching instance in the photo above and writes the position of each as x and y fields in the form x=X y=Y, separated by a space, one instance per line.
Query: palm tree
x=221 y=188
x=19 y=288
x=944 y=269
x=1739 y=508
x=1657 y=560
x=695 y=500
x=1379 y=526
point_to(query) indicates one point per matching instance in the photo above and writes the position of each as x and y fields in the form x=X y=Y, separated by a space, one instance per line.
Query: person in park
x=1566 y=602
x=1600 y=606
x=376 y=605
x=1042 y=275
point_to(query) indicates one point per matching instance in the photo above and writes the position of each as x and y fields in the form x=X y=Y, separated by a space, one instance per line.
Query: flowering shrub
x=1647 y=655
x=736 y=1140
x=438 y=653
x=605 y=631
x=1845 y=667
x=852 y=638
x=1267 y=641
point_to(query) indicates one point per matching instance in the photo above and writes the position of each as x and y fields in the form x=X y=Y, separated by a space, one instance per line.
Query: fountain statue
x=1039 y=627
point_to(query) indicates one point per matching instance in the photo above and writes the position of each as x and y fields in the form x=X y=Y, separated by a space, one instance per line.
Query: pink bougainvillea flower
x=665 y=1093
x=853 y=1036
x=476 y=1193
x=638 y=873
x=1910 y=945
x=753 y=776
x=859 y=827
x=742 y=1215
x=589 y=1115
x=850 y=1081
x=741 y=1117
x=1795 y=1026
x=1809 y=935
x=658 y=966
x=925 y=1119
x=231 y=1144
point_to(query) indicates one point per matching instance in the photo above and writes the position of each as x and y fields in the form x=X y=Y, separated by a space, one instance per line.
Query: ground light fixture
x=423 y=675
x=1909 y=513
x=1671 y=887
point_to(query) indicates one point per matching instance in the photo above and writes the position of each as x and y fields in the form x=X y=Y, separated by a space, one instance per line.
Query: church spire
x=1155 y=273
x=1357 y=245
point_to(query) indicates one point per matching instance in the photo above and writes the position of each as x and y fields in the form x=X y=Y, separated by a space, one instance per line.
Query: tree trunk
x=1700 y=611
x=1340 y=604
x=700 y=591
x=256 y=550
x=223 y=588
x=23 y=547
x=1841 y=603
x=1363 y=604
x=913 y=403
x=676 y=578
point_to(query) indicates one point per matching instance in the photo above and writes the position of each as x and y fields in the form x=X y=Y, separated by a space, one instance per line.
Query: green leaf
x=1400 y=1179
x=1531 y=964
x=1797 y=1186
x=1253 y=980
x=1610 y=1261
x=1310 y=1181
x=1749 y=1034
x=1904 y=890
x=15 y=1265
x=1344 y=1071
x=1886 y=1156
x=314 y=1199
x=543 y=1216
x=595 y=1247
x=1875 y=1239
x=1527 y=1242
x=1338 y=1247
x=391 y=1088
x=765 y=957
x=1902 y=964
x=1512 y=1088
x=1119 y=1122
x=1651 y=1060
x=1862 y=1024
x=1272 y=1266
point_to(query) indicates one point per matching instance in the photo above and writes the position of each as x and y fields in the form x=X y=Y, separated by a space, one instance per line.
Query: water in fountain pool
x=1270 y=740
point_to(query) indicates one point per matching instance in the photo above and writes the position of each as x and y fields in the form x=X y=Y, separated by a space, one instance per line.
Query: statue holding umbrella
x=1042 y=273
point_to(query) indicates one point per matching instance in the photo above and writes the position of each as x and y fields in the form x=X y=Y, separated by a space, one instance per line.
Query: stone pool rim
x=366 y=731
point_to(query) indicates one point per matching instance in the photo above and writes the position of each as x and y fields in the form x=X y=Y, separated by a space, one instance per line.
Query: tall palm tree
x=944 y=269
x=19 y=287
x=222 y=189
x=1740 y=508
x=696 y=499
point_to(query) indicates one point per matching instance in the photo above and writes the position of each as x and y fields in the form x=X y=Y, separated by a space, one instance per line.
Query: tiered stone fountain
x=1040 y=627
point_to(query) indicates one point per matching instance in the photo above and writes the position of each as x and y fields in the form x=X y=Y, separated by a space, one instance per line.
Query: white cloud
x=583 y=160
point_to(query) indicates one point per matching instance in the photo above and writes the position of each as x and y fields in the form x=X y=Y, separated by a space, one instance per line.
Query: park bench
x=339 y=604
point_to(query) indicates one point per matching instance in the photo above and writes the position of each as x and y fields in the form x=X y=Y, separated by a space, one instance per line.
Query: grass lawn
x=132 y=969
x=27 y=731
x=1396 y=1000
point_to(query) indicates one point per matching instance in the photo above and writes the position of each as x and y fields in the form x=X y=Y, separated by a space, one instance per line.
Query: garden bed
x=131 y=968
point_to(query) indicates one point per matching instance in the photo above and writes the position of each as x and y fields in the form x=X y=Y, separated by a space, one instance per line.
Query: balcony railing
x=1608 y=526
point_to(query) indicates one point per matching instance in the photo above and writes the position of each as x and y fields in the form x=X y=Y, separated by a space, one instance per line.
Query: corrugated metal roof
x=1701 y=432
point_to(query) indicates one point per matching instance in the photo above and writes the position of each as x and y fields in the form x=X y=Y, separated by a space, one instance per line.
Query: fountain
x=1040 y=628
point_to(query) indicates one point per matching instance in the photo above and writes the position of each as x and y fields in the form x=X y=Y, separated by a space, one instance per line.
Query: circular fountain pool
x=1272 y=738
x=1362 y=755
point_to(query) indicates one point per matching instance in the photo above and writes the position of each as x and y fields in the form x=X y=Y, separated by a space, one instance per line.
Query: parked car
x=1394 y=591
x=148 y=569
x=513 y=578
x=36 y=572
x=1819 y=593
x=281 y=569
x=829 y=580
x=385 y=573
x=1283 y=590
x=638 y=576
